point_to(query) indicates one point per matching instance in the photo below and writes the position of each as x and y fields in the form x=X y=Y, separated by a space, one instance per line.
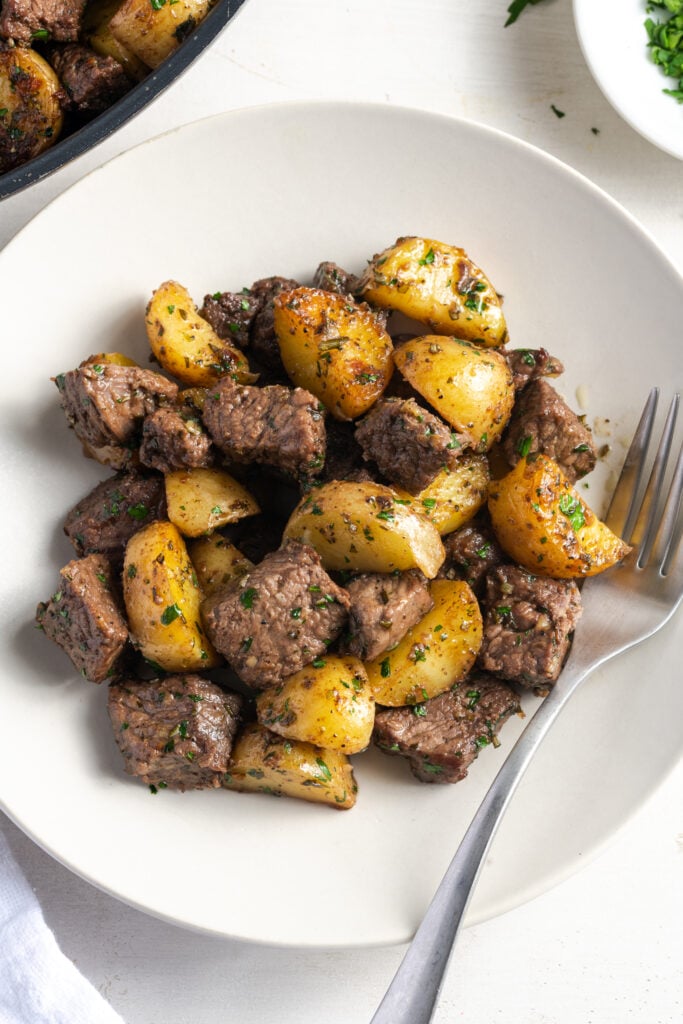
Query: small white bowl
x=614 y=42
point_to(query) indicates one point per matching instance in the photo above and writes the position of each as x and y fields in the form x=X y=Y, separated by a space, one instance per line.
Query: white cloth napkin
x=38 y=984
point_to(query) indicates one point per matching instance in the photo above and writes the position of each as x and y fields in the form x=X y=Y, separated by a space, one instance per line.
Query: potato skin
x=470 y=387
x=98 y=35
x=29 y=98
x=202 y=500
x=439 y=286
x=162 y=599
x=153 y=32
x=262 y=762
x=327 y=703
x=436 y=653
x=455 y=495
x=360 y=526
x=333 y=348
x=541 y=521
x=216 y=562
x=186 y=345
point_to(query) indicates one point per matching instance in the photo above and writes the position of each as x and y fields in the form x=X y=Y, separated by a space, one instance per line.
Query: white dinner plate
x=215 y=205
x=614 y=41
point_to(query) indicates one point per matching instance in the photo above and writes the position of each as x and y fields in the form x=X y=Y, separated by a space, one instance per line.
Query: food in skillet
x=318 y=534
x=63 y=62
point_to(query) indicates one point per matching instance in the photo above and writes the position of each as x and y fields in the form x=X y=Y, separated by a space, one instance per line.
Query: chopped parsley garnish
x=429 y=502
x=384 y=668
x=419 y=710
x=665 y=41
x=572 y=508
x=138 y=511
x=248 y=596
x=427 y=259
x=319 y=663
x=325 y=772
x=524 y=446
x=170 y=614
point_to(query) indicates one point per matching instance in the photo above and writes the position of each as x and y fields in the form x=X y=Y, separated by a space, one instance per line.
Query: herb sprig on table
x=666 y=41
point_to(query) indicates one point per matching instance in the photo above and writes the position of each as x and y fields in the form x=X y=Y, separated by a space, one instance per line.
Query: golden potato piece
x=162 y=599
x=439 y=286
x=216 y=562
x=30 y=111
x=153 y=29
x=333 y=348
x=202 y=500
x=327 y=703
x=361 y=526
x=541 y=521
x=436 y=653
x=98 y=35
x=109 y=358
x=470 y=387
x=187 y=345
x=454 y=496
x=262 y=762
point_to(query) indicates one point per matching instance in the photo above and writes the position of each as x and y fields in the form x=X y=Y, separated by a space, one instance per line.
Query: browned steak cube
x=106 y=404
x=470 y=552
x=344 y=456
x=106 y=519
x=84 y=618
x=278 y=426
x=92 y=82
x=330 y=277
x=543 y=422
x=20 y=20
x=173 y=440
x=231 y=315
x=174 y=733
x=529 y=364
x=441 y=737
x=409 y=444
x=384 y=606
x=279 y=617
x=264 y=343
x=527 y=624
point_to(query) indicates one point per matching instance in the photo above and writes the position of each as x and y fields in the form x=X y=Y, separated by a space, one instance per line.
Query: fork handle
x=412 y=995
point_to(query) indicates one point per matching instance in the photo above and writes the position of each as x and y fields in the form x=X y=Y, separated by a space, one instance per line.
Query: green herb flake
x=419 y=710
x=170 y=614
x=319 y=663
x=428 y=259
x=325 y=772
x=556 y=112
x=248 y=596
x=572 y=508
x=138 y=511
x=524 y=446
x=385 y=668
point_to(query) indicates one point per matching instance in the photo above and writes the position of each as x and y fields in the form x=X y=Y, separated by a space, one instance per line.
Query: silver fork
x=621 y=608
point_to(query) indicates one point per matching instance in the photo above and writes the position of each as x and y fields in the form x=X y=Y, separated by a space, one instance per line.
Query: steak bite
x=231 y=315
x=105 y=520
x=409 y=444
x=527 y=624
x=264 y=342
x=344 y=456
x=174 y=733
x=470 y=552
x=84 y=618
x=174 y=440
x=275 y=425
x=529 y=364
x=543 y=422
x=92 y=82
x=443 y=739
x=384 y=606
x=277 y=618
x=330 y=277
x=106 y=404
x=20 y=20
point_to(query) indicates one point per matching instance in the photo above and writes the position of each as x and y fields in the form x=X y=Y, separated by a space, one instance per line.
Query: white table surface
x=606 y=946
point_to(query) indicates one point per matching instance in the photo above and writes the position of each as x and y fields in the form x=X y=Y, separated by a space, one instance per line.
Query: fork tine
x=646 y=522
x=670 y=529
x=621 y=514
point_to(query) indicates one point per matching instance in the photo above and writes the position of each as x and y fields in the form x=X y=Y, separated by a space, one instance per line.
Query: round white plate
x=217 y=204
x=614 y=42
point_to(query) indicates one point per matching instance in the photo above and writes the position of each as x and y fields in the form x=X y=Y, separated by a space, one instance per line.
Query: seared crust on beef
x=231 y=315
x=470 y=552
x=106 y=518
x=275 y=425
x=84 y=618
x=92 y=82
x=543 y=422
x=330 y=277
x=279 y=617
x=529 y=364
x=21 y=19
x=442 y=741
x=384 y=607
x=344 y=456
x=527 y=624
x=174 y=733
x=171 y=440
x=106 y=404
x=409 y=444
x=264 y=343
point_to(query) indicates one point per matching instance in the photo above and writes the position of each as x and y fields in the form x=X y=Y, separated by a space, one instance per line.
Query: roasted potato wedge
x=333 y=348
x=185 y=344
x=111 y=358
x=216 y=562
x=454 y=496
x=99 y=37
x=30 y=111
x=152 y=31
x=361 y=526
x=262 y=762
x=436 y=653
x=202 y=500
x=542 y=522
x=162 y=599
x=327 y=703
x=439 y=286
x=470 y=387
